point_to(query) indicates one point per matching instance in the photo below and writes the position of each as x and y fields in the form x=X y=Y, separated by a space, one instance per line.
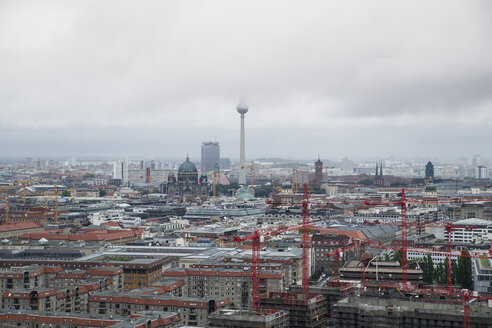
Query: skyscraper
x=242 y=109
x=124 y=173
x=429 y=171
x=120 y=171
x=210 y=156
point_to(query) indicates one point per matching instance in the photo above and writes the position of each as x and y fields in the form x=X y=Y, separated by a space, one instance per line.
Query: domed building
x=187 y=186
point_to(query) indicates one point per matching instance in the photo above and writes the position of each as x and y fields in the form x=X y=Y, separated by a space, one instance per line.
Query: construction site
x=302 y=311
x=245 y=318
x=359 y=284
x=370 y=292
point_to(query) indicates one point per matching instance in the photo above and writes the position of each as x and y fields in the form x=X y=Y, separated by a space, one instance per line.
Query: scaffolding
x=303 y=312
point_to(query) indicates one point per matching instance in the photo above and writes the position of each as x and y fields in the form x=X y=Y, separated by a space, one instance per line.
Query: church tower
x=318 y=172
x=379 y=179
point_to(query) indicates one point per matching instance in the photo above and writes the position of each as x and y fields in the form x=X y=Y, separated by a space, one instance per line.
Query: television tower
x=242 y=109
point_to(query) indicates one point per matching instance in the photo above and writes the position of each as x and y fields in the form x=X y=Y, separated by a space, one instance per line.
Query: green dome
x=286 y=184
x=245 y=195
x=187 y=167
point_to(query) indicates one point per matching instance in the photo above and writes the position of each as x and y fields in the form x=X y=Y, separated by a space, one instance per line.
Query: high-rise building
x=124 y=173
x=120 y=171
x=482 y=172
x=210 y=156
x=429 y=171
x=117 y=170
x=242 y=109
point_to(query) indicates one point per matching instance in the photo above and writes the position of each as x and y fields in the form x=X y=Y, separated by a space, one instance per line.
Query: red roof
x=74 y=320
x=95 y=235
x=110 y=224
x=351 y=234
x=182 y=303
x=12 y=226
x=104 y=271
x=167 y=288
x=238 y=273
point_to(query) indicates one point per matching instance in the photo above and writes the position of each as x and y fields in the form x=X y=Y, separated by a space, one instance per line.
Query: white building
x=471 y=231
x=482 y=276
x=437 y=257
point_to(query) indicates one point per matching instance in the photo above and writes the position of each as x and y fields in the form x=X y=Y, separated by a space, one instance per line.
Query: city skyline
x=401 y=79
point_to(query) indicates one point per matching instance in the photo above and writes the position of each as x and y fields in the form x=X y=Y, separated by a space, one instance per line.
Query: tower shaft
x=242 y=156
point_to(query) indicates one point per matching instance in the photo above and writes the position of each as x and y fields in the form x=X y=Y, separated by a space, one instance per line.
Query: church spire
x=377 y=174
x=381 y=169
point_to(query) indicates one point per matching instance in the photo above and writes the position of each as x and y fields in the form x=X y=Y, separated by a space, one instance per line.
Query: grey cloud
x=324 y=71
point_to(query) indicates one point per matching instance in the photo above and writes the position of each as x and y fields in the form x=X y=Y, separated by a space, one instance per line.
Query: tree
x=102 y=192
x=454 y=271
x=65 y=193
x=263 y=191
x=429 y=269
x=227 y=190
x=386 y=257
x=398 y=256
x=440 y=273
x=315 y=276
x=398 y=184
x=366 y=182
x=464 y=276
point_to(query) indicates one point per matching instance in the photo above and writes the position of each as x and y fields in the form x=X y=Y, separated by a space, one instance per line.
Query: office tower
x=429 y=171
x=210 y=156
x=117 y=170
x=482 y=172
x=124 y=173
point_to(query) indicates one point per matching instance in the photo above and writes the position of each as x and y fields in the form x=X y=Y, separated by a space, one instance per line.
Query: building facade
x=379 y=179
x=187 y=186
x=318 y=172
x=210 y=156
x=429 y=171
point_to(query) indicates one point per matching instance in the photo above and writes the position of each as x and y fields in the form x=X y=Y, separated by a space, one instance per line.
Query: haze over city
x=245 y=163
x=155 y=79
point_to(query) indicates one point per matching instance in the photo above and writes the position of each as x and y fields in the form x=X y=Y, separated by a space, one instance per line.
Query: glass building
x=210 y=156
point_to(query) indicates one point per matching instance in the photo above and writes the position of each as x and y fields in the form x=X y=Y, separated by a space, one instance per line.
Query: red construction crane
x=305 y=242
x=336 y=257
x=465 y=294
x=305 y=237
x=362 y=265
x=449 y=228
x=256 y=239
x=447 y=253
x=466 y=310
x=403 y=204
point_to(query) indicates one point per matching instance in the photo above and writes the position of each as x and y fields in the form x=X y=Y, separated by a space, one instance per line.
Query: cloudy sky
x=156 y=78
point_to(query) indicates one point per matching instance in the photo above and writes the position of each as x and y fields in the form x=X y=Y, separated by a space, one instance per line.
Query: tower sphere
x=242 y=108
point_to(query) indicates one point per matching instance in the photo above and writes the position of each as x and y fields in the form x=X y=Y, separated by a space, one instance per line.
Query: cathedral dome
x=187 y=167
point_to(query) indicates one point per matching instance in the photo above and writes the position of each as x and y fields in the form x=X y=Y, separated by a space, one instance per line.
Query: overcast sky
x=156 y=78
